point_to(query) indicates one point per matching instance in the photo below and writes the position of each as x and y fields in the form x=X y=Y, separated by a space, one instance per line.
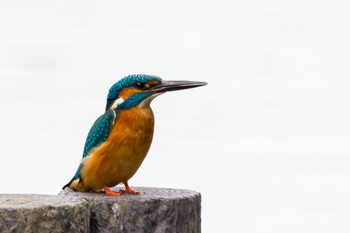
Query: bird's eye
x=139 y=85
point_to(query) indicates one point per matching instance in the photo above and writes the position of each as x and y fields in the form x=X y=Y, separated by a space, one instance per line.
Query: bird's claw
x=130 y=191
x=108 y=192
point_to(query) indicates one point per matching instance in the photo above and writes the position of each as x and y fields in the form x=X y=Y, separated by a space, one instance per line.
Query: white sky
x=266 y=142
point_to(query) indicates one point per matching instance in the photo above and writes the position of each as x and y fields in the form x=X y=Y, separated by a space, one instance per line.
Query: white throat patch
x=146 y=102
x=116 y=103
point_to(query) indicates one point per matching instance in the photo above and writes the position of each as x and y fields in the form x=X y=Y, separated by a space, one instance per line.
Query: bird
x=120 y=138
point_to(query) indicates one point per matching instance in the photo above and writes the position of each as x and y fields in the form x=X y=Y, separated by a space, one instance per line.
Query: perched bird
x=119 y=140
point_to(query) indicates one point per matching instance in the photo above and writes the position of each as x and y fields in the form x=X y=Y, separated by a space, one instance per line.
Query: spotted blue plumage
x=98 y=133
x=129 y=81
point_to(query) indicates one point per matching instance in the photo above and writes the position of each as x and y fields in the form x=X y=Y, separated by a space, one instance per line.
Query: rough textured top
x=30 y=201
x=144 y=193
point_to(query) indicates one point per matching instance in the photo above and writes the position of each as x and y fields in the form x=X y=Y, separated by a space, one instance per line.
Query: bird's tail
x=69 y=183
x=76 y=182
x=77 y=185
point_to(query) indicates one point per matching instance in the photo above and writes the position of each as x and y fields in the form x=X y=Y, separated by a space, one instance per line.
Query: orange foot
x=128 y=189
x=108 y=192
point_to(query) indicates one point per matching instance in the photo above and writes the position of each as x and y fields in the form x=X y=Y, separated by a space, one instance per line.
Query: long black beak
x=175 y=85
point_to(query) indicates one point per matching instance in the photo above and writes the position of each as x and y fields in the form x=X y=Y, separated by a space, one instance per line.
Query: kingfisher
x=119 y=140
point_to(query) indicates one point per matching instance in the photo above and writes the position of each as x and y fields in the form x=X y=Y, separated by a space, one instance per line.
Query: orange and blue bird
x=119 y=140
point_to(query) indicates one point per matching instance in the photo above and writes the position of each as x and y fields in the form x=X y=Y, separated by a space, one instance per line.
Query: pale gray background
x=266 y=142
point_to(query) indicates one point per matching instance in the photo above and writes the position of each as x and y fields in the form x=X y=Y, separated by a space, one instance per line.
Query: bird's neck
x=137 y=118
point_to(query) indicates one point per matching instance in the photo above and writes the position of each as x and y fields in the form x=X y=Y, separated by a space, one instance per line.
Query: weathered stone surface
x=43 y=213
x=153 y=210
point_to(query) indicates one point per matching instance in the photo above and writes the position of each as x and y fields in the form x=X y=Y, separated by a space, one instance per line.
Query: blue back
x=98 y=133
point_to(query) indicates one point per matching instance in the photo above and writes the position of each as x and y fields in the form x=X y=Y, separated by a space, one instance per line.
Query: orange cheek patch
x=127 y=92
x=153 y=83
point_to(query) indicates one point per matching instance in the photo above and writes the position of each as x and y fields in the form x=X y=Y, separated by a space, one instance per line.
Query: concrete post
x=153 y=210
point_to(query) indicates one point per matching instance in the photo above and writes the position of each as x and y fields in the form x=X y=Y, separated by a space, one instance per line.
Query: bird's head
x=140 y=90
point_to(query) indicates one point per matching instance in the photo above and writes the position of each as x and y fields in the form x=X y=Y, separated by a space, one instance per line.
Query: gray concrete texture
x=153 y=210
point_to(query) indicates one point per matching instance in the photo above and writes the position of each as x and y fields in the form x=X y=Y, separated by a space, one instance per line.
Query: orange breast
x=117 y=159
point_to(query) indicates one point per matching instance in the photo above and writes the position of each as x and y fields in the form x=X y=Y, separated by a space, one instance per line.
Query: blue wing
x=98 y=133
